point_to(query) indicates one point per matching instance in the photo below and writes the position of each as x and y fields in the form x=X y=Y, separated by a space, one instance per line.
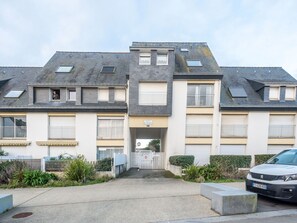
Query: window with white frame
x=61 y=127
x=199 y=126
x=152 y=94
x=119 y=94
x=162 y=59
x=274 y=93
x=110 y=128
x=108 y=152
x=200 y=95
x=103 y=94
x=234 y=126
x=290 y=93
x=71 y=95
x=232 y=149
x=144 y=58
x=14 y=127
x=281 y=126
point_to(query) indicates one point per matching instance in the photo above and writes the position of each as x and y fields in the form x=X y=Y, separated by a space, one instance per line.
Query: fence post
x=43 y=164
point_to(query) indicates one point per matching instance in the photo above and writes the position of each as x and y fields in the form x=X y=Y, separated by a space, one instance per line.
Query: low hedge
x=104 y=165
x=231 y=163
x=181 y=160
x=262 y=158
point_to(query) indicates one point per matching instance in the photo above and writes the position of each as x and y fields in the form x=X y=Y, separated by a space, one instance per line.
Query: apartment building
x=98 y=103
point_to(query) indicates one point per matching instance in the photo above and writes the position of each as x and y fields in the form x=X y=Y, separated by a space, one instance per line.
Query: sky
x=239 y=32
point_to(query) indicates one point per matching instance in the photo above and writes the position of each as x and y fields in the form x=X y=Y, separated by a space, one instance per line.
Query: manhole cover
x=22 y=215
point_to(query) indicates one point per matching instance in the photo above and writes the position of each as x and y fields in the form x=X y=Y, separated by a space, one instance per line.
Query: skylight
x=184 y=50
x=108 y=69
x=13 y=94
x=64 y=69
x=237 y=92
x=194 y=63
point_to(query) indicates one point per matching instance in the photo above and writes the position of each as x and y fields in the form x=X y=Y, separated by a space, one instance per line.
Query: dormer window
x=55 y=96
x=162 y=59
x=274 y=93
x=194 y=63
x=144 y=59
x=108 y=70
x=290 y=93
x=64 y=69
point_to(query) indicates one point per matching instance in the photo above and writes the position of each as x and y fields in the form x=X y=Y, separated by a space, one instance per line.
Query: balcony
x=13 y=132
x=62 y=132
x=281 y=131
x=111 y=132
x=199 y=100
x=199 y=130
x=234 y=131
x=153 y=98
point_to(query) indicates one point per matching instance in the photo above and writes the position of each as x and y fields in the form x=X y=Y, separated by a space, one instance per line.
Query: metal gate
x=146 y=159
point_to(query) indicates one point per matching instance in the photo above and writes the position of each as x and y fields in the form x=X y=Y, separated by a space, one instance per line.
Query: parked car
x=277 y=178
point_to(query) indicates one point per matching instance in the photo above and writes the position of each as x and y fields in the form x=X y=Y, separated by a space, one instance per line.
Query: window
x=119 y=94
x=107 y=152
x=162 y=59
x=237 y=92
x=14 y=127
x=64 y=69
x=199 y=126
x=55 y=95
x=184 y=50
x=274 y=93
x=108 y=69
x=234 y=126
x=103 y=94
x=281 y=126
x=194 y=63
x=232 y=149
x=200 y=152
x=110 y=128
x=13 y=94
x=144 y=59
x=71 y=95
x=200 y=95
x=290 y=93
x=153 y=94
x=61 y=127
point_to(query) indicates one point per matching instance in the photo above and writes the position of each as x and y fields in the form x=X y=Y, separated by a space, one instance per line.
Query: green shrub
x=104 y=165
x=79 y=170
x=37 y=177
x=262 y=158
x=3 y=153
x=181 y=160
x=229 y=164
x=10 y=170
x=202 y=173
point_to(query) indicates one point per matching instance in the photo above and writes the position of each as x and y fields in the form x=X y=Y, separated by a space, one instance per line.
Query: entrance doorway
x=147 y=148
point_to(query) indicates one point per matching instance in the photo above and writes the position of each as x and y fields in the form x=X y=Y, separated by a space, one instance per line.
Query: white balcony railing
x=200 y=100
x=152 y=98
x=111 y=132
x=281 y=131
x=62 y=132
x=199 y=130
x=239 y=131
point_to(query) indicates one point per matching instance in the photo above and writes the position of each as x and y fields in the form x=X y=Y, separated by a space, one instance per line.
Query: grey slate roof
x=16 y=78
x=196 y=51
x=252 y=79
x=86 y=71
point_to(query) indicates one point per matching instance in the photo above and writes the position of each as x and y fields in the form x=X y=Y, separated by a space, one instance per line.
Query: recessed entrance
x=148 y=148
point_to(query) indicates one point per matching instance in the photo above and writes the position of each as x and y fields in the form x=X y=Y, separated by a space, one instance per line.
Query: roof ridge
x=247 y=67
x=172 y=42
x=91 y=52
x=19 y=67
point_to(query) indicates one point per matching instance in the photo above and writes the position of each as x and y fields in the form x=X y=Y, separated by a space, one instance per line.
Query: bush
x=202 y=173
x=182 y=160
x=37 y=177
x=229 y=164
x=3 y=153
x=79 y=170
x=10 y=170
x=262 y=158
x=104 y=165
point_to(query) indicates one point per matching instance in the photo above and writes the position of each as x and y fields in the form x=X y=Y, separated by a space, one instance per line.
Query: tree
x=154 y=145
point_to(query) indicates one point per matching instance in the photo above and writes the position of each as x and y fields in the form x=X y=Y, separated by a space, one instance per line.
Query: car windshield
x=286 y=157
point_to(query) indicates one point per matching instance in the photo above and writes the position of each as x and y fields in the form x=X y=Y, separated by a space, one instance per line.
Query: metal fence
x=197 y=130
x=234 y=131
x=281 y=131
x=34 y=164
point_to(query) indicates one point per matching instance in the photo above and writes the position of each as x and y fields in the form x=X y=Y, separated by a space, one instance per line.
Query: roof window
x=108 y=69
x=184 y=50
x=237 y=92
x=13 y=94
x=194 y=63
x=64 y=69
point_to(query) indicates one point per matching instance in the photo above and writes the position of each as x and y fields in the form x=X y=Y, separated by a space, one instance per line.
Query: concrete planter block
x=5 y=202
x=234 y=202
x=176 y=170
x=206 y=189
